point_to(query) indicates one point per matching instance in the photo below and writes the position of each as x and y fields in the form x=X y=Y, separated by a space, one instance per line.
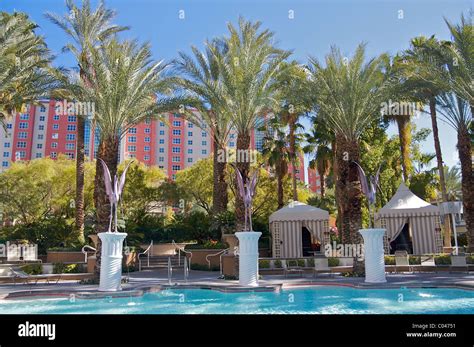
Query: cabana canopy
x=288 y=225
x=422 y=217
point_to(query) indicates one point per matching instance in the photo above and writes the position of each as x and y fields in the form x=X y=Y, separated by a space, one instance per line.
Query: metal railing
x=83 y=250
x=147 y=253
x=187 y=261
x=220 y=254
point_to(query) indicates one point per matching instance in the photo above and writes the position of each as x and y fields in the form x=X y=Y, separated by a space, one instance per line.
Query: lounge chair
x=321 y=265
x=292 y=267
x=459 y=262
x=428 y=263
x=402 y=260
x=27 y=278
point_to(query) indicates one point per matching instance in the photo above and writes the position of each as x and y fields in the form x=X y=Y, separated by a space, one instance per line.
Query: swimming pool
x=309 y=300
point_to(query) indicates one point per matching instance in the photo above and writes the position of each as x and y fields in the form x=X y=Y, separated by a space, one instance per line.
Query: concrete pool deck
x=146 y=281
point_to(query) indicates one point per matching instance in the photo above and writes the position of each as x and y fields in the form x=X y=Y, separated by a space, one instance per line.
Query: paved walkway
x=204 y=278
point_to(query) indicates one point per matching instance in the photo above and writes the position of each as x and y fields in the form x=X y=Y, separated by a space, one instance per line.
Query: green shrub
x=201 y=267
x=414 y=260
x=264 y=264
x=333 y=261
x=444 y=259
x=301 y=263
x=208 y=245
x=32 y=269
x=310 y=262
x=389 y=260
x=470 y=259
x=61 y=268
x=277 y=264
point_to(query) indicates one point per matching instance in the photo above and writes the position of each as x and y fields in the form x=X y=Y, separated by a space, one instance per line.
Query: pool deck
x=149 y=281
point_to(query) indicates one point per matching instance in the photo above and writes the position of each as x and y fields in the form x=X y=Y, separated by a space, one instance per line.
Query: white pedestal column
x=248 y=258
x=111 y=261
x=374 y=255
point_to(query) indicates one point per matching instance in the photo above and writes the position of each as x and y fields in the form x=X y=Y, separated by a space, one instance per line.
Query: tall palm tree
x=453 y=183
x=456 y=112
x=25 y=74
x=249 y=67
x=201 y=83
x=87 y=28
x=122 y=82
x=349 y=93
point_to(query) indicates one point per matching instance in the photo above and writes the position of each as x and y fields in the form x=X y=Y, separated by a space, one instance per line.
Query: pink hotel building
x=172 y=145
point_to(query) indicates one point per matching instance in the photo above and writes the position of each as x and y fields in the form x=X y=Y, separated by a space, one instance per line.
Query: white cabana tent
x=289 y=224
x=423 y=221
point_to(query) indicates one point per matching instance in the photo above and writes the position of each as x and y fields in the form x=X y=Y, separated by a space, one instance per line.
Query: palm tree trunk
x=348 y=183
x=465 y=153
x=404 y=134
x=243 y=165
x=108 y=151
x=219 y=194
x=293 y=160
x=439 y=160
x=80 y=179
x=280 y=174
x=323 y=185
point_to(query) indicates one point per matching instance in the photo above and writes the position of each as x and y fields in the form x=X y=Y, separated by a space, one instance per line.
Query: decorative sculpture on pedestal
x=112 y=241
x=248 y=240
x=373 y=238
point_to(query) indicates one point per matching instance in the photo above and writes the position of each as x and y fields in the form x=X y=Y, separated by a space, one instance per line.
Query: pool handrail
x=147 y=252
x=83 y=250
x=220 y=253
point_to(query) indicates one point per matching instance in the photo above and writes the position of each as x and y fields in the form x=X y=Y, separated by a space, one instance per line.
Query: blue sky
x=315 y=26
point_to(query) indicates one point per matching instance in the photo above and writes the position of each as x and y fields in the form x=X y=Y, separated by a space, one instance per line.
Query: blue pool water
x=315 y=300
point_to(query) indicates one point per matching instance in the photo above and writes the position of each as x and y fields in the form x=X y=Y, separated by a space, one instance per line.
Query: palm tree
x=122 y=82
x=249 y=67
x=456 y=112
x=453 y=183
x=25 y=75
x=278 y=154
x=349 y=93
x=319 y=144
x=87 y=28
x=202 y=86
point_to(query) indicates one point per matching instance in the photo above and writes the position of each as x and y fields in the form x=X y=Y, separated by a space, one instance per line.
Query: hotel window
x=7 y=145
x=70 y=137
x=176 y=141
x=42 y=118
x=56 y=117
x=24 y=116
x=190 y=151
x=55 y=136
x=132 y=148
x=23 y=125
x=204 y=134
x=39 y=146
x=70 y=155
x=190 y=160
x=161 y=150
x=204 y=143
x=54 y=144
x=162 y=141
x=190 y=142
x=176 y=159
x=70 y=146
x=204 y=151
x=161 y=167
x=22 y=135
x=173 y=176
x=21 y=144
x=42 y=109
x=132 y=130
x=148 y=121
x=132 y=155
x=162 y=132
x=232 y=136
x=71 y=118
x=146 y=157
x=147 y=139
x=39 y=155
x=161 y=159
x=190 y=125
x=146 y=148
x=55 y=126
x=5 y=163
x=176 y=150
x=176 y=123
x=71 y=127
x=231 y=144
x=162 y=124
x=53 y=155
x=176 y=167
x=40 y=127
x=21 y=154
x=190 y=133
x=176 y=132
x=6 y=154
x=9 y=126
x=147 y=130
x=132 y=139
